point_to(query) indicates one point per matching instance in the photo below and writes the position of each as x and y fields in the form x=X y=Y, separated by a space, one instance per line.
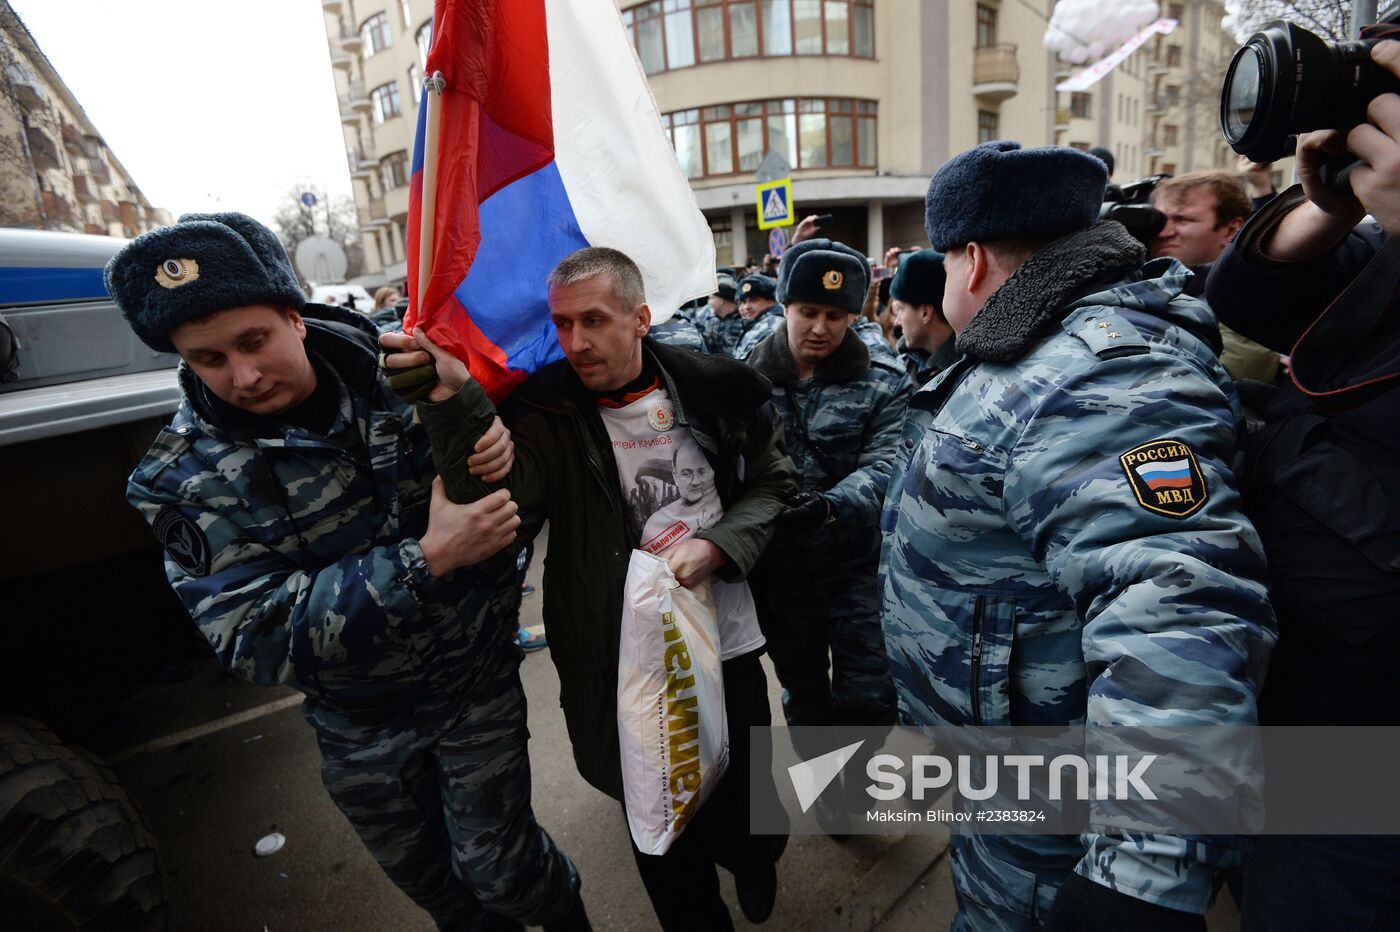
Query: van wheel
x=75 y=851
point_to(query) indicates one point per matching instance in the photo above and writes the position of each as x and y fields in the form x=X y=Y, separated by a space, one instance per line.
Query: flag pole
x=434 y=84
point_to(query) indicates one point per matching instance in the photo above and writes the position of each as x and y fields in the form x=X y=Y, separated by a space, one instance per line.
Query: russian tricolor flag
x=1169 y=474
x=549 y=140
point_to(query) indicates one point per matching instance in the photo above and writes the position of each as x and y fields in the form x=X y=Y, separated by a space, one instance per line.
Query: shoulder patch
x=183 y=540
x=1165 y=477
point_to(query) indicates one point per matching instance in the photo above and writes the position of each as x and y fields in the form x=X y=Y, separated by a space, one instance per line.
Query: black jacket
x=565 y=474
x=1323 y=481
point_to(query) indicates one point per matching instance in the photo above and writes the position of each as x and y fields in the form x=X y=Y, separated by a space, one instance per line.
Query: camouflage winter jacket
x=1065 y=542
x=842 y=426
x=721 y=334
x=297 y=554
x=759 y=330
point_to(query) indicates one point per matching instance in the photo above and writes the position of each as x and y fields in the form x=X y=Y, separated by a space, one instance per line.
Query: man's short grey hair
x=589 y=263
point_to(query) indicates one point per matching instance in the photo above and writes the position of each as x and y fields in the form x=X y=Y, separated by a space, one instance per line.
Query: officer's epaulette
x=166 y=450
x=1106 y=332
x=886 y=364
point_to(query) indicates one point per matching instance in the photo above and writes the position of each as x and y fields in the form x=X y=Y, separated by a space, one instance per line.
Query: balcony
x=1061 y=118
x=349 y=40
x=362 y=162
x=43 y=151
x=26 y=87
x=378 y=214
x=341 y=59
x=73 y=140
x=348 y=116
x=111 y=213
x=84 y=189
x=57 y=210
x=995 y=73
x=357 y=97
x=98 y=170
x=330 y=6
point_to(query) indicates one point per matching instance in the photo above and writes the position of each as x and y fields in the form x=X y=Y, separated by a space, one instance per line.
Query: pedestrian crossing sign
x=774 y=201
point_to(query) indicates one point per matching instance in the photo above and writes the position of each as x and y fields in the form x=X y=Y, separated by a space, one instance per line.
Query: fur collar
x=773 y=359
x=1032 y=301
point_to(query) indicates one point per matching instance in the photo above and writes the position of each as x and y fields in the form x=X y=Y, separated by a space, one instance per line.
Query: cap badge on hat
x=748 y=286
x=831 y=281
x=172 y=273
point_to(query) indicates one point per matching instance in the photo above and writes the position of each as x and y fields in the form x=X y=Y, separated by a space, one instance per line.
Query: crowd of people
x=1026 y=477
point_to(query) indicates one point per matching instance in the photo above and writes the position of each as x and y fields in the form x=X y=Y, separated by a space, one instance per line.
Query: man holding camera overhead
x=1324 y=488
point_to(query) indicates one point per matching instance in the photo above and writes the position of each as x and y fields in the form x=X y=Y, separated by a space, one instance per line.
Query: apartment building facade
x=1158 y=112
x=864 y=99
x=56 y=172
x=377 y=51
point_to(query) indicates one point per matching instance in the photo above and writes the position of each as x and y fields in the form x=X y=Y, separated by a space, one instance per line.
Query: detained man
x=612 y=445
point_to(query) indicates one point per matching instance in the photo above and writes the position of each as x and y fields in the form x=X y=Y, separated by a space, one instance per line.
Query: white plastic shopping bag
x=670 y=702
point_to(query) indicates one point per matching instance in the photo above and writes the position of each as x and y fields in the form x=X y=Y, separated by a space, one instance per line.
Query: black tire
x=75 y=851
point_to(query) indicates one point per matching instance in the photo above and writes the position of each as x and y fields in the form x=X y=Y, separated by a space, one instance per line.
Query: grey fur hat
x=757 y=286
x=820 y=271
x=998 y=191
x=203 y=264
x=725 y=284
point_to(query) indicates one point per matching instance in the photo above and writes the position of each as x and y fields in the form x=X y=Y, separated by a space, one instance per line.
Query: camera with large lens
x=1286 y=81
x=1131 y=205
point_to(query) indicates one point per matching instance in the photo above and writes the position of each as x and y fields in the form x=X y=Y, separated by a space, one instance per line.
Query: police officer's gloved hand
x=1085 y=906
x=805 y=512
x=410 y=384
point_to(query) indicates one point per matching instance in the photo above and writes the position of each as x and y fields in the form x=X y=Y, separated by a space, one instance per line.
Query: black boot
x=575 y=920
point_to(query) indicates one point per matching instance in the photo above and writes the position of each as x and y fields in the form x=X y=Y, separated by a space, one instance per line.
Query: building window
x=1173 y=95
x=424 y=38
x=671 y=34
x=809 y=133
x=1174 y=11
x=1081 y=105
x=1169 y=168
x=385 y=98
x=374 y=33
x=986 y=26
x=415 y=84
x=1173 y=56
x=405 y=14
x=394 y=168
x=987 y=126
x=1168 y=135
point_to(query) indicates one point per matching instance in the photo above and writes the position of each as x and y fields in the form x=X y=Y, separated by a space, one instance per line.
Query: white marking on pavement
x=208 y=728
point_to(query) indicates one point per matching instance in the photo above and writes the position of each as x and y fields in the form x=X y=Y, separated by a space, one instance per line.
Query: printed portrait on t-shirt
x=674 y=500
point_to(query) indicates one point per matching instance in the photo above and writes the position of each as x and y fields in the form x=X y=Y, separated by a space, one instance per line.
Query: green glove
x=411 y=385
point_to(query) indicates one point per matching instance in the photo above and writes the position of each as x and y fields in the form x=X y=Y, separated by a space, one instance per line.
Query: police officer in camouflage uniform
x=926 y=343
x=761 y=312
x=1068 y=522
x=842 y=412
x=678 y=332
x=305 y=533
x=720 y=322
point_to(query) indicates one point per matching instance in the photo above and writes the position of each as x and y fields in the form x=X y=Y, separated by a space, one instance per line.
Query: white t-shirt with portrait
x=669 y=495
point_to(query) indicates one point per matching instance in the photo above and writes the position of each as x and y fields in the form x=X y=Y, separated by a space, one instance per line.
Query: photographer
x=1323 y=488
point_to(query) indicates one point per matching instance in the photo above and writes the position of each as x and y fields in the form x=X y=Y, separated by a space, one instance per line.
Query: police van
x=84 y=607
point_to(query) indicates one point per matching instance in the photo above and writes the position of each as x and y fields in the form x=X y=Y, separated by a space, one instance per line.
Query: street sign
x=309 y=199
x=777 y=242
x=773 y=167
x=774 y=202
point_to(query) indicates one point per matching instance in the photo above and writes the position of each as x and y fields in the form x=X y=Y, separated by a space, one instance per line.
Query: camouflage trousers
x=819 y=606
x=1007 y=883
x=445 y=809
